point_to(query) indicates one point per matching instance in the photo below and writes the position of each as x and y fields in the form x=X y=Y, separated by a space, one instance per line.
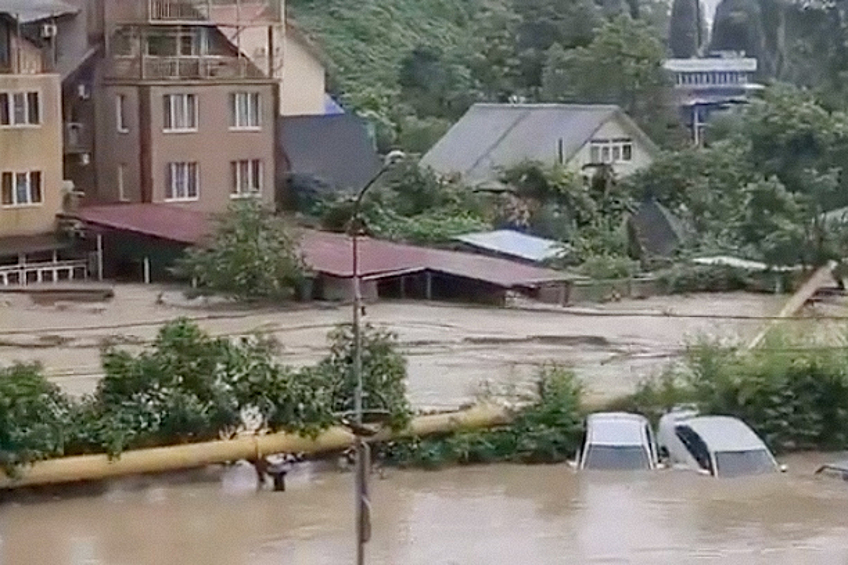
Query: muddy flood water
x=484 y=515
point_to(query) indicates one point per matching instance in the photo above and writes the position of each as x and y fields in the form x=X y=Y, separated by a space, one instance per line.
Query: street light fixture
x=363 y=507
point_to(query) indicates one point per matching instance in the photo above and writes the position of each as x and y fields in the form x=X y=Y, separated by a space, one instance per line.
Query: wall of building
x=115 y=148
x=34 y=148
x=304 y=81
x=213 y=146
x=613 y=129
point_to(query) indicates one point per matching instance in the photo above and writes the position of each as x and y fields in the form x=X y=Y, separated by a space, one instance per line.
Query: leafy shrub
x=34 y=417
x=793 y=396
x=546 y=431
x=252 y=255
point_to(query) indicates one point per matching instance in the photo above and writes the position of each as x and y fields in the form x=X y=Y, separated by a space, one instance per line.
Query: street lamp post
x=363 y=526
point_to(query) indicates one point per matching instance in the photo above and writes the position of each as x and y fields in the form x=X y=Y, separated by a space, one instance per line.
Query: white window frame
x=247 y=176
x=8 y=97
x=178 y=106
x=249 y=102
x=122 y=182
x=610 y=151
x=179 y=179
x=15 y=176
x=121 y=113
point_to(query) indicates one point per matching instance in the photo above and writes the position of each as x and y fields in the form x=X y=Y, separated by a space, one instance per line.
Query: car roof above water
x=724 y=433
x=616 y=428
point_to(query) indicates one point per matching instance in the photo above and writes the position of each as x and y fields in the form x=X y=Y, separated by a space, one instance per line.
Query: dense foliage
x=547 y=430
x=763 y=188
x=794 y=393
x=189 y=386
x=411 y=204
x=252 y=255
x=415 y=66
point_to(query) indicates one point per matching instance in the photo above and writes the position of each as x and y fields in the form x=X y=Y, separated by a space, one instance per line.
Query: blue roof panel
x=513 y=243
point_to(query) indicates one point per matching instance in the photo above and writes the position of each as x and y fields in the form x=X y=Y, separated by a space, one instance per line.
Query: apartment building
x=31 y=180
x=168 y=109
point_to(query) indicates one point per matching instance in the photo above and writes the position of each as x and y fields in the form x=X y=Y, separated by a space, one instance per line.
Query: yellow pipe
x=174 y=458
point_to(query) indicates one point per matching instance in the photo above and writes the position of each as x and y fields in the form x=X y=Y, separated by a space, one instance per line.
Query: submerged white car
x=720 y=446
x=618 y=441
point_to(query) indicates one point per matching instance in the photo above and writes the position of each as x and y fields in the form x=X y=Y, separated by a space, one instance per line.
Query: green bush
x=190 y=387
x=794 y=395
x=34 y=417
x=546 y=431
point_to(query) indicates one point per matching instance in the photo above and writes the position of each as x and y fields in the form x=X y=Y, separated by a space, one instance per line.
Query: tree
x=492 y=53
x=544 y=23
x=684 y=37
x=433 y=85
x=251 y=255
x=622 y=65
x=738 y=26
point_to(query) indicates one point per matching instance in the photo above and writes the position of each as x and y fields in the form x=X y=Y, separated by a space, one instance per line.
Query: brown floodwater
x=484 y=515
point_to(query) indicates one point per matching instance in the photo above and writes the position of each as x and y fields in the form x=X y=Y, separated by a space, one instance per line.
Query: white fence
x=46 y=272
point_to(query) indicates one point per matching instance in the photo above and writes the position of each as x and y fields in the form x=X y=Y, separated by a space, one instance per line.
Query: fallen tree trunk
x=190 y=456
x=797 y=301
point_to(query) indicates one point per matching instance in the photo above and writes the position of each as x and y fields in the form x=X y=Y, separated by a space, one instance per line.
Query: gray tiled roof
x=489 y=136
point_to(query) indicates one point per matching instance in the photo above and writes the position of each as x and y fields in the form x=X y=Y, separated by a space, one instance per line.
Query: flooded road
x=485 y=515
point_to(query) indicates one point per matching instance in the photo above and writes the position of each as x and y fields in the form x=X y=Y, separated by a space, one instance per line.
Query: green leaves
x=252 y=255
x=189 y=387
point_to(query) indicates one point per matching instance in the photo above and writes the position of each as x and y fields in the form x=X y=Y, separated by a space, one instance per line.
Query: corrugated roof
x=513 y=243
x=492 y=136
x=328 y=253
x=12 y=245
x=34 y=10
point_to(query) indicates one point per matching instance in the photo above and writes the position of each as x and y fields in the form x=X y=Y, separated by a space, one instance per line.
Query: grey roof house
x=512 y=244
x=493 y=137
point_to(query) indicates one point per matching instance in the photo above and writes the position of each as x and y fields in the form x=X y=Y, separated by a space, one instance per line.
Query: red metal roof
x=327 y=253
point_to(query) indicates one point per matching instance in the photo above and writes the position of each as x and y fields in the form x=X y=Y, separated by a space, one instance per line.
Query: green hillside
x=366 y=40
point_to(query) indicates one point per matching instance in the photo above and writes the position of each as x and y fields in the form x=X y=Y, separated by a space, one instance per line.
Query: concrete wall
x=34 y=148
x=341 y=290
x=613 y=129
x=146 y=149
x=304 y=84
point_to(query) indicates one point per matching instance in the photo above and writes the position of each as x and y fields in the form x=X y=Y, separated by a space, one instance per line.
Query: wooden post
x=403 y=288
x=100 y=257
x=429 y=278
x=146 y=270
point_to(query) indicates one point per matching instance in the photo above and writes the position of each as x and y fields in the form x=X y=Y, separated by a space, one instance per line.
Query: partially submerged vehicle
x=838 y=469
x=720 y=446
x=618 y=441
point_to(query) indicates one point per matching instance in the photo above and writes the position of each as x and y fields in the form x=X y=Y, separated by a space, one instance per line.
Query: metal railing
x=47 y=272
x=178 y=10
x=206 y=10
x=182 y=68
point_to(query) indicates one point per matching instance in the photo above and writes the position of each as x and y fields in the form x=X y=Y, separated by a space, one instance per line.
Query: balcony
x=247 y=12
x=76 y=138
x=182 y=68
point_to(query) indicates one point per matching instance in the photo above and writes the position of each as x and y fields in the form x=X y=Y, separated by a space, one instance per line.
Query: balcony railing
x=177 y=10
x=77 y=138
x=182 y=68
x=47 y=272
x=219 y=11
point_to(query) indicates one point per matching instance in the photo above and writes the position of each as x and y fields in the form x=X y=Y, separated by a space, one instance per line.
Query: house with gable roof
x=492 y=137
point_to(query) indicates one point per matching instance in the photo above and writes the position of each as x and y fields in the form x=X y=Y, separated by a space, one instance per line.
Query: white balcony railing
x=46 y=272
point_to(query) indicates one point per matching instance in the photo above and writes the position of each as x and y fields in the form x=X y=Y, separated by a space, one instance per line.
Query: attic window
x=608 y=151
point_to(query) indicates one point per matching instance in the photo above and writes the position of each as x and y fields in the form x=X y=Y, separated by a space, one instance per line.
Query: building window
x=20 y=109
x=245 y=110
x=183 y=182
x=121 y=113
x=180 y=112
x=21 y=189
x=122 y=187
x=246 y=178
x=606 y=151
